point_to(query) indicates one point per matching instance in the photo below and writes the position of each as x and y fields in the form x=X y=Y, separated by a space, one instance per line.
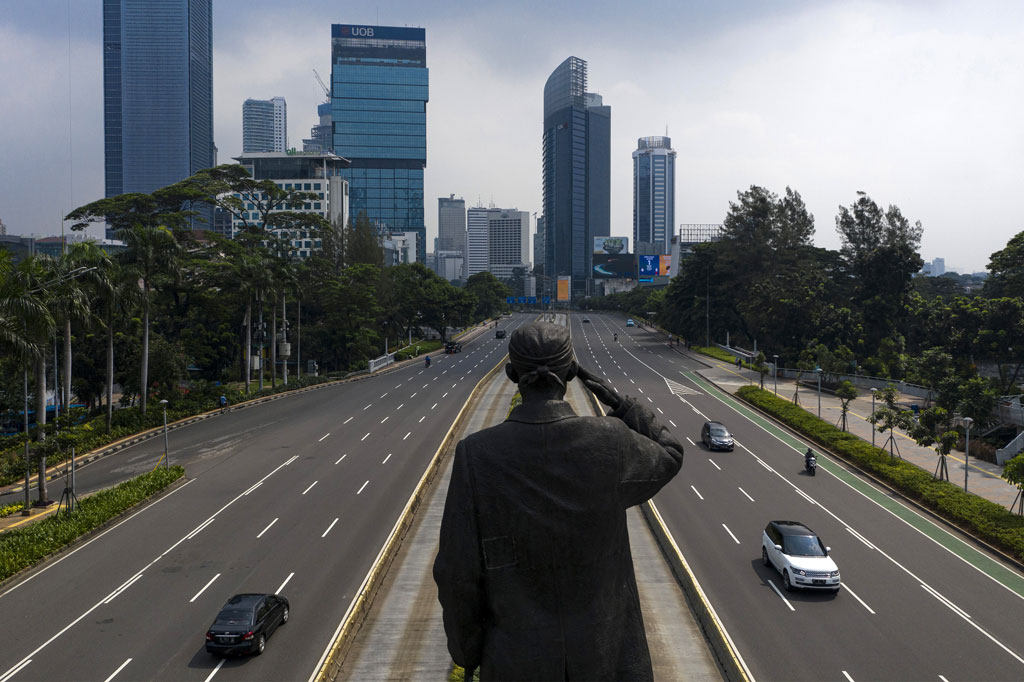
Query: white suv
x=799 y=555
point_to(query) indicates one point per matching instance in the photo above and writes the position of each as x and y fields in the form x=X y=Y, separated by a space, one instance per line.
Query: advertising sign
x=618 y=266
x=563 y=287
x=648 y=265
x=378 y=32
x=665 y=266
x=611 y=245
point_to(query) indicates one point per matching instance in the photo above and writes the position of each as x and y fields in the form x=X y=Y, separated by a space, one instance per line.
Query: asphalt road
x=295 y=496
x=917 y=602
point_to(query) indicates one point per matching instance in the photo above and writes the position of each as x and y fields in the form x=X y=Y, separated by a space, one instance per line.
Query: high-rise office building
x=576 y=174
x=264 y=125
x=498 y=241
x=157 y=92
x=321 y=135
x=654 y=195
x=379 y=94
x=477 y=251
x=451 y=226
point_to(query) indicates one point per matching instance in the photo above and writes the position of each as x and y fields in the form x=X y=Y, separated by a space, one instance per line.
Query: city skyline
x=910 y=102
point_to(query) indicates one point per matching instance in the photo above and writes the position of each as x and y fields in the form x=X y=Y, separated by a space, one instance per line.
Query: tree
x=1006 y=270
x=1013 y=472
x=362 y=244
x=890 y=417
x=935 y=427
x=881 y=250
x=490 y=294
x=846 y=393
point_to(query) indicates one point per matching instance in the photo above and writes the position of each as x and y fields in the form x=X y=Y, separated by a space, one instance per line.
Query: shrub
x=987 y=520
x=25 y=546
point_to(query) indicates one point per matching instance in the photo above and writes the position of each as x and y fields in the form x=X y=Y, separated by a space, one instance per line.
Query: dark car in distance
x=452 y=347
x=715 y=436
x=499 y=334
x=245 y=623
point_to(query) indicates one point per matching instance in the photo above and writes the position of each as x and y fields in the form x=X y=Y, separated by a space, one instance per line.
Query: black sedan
x=245 y=623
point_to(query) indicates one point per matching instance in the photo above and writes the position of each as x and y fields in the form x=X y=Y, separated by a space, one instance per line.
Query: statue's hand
x=599 y=388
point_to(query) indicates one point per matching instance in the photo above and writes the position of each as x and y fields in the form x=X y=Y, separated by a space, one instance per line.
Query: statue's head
x=541 y=358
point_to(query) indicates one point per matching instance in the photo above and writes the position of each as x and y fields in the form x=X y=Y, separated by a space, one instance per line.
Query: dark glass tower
x=157 y=92
x=577 y=174
x=379 y=95
x=654 y=189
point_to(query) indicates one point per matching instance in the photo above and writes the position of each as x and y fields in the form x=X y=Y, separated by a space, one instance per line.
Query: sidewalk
x=983 y=479
x=403 y=635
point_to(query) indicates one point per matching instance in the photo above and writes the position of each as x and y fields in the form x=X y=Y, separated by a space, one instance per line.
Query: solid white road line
x=256 y=485
x=266 y=529
x=128 y=583
x=278 y=591
x=805 y=496
x=745 y=493
x=715 y=464
x=361 y=487
x=310 y=487
x=387 y=458
x=119 y=669
x=322 y=438
x=189 y=601
x=329 y=528
x=341 y=458
x=847 y=588
x=10 y=673
x=214 y=671
x=201 y=526
x=784 y=600
x=698 y=492
x=730 y=533
x=861 y=538
x=347 y=421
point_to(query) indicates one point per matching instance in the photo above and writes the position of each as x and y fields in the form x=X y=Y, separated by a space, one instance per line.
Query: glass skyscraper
x=157 y=92
x=654 y=190
x=379 y=95
x=576 y=174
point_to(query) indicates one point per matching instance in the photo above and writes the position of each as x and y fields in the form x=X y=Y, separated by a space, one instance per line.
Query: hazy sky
x=916 y=103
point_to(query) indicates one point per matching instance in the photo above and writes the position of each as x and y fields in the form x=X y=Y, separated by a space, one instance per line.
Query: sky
x=916 y=103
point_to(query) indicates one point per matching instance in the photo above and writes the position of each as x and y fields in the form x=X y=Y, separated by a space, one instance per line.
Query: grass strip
x=30 y=544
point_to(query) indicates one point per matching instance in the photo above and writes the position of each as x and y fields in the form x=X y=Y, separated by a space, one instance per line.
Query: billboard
x=665 y=266
x=617 y=266
x=563 y=288
x=647 y=266
x=611 y=245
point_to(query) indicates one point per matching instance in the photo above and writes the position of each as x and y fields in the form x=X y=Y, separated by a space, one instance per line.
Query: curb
x=331 y=662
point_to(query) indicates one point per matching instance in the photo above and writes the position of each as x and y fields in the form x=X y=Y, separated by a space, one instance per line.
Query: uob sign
x=360 y=31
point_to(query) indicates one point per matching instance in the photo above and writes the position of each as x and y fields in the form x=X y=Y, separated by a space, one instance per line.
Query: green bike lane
x=919 y=520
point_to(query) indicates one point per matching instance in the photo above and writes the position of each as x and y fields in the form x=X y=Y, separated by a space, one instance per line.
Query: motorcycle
x=810 y=464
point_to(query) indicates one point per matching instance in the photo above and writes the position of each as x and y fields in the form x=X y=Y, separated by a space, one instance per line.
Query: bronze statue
x=534 y=571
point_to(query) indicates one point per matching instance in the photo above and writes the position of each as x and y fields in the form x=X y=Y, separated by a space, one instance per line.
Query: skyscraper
x=379 y=94
x=498 y=241
x=157 y=92
x=477 y=249
x=576 y=174
x=451 y=226
x=264 y=125
x=654 y=195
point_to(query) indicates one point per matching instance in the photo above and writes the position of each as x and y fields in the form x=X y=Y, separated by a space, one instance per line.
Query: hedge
x=25 y=546
x=987 y=520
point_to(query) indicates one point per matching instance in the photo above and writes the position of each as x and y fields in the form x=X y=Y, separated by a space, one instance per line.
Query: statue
x=534 y=571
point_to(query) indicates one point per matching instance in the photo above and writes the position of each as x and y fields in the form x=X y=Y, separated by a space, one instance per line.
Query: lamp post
x=775 y=372
x=873 y=392
x=817 y=370
x=967 y=451
x=167 y=455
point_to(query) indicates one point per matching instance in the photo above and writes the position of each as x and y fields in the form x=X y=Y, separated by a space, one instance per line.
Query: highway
x=917 y=602
x=295 y=496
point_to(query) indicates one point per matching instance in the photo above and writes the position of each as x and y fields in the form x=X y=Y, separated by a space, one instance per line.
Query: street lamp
x=967 y=451
x=167 y=455
x=775 y=372
x=874 y=391
x=817 y=370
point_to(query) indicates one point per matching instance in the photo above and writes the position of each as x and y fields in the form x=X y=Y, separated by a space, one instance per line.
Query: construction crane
x=327 y=91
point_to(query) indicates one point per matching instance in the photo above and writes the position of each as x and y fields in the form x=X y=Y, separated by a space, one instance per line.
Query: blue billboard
x=648 y=265
x=545 y=300
x=614 y=266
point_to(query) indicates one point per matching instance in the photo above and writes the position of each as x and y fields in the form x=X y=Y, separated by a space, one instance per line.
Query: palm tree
x=151 y=252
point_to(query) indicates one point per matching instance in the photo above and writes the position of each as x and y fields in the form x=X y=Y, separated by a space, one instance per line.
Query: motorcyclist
x=428 y=361
x=615 y=337
x=808 y=456
x=223 y=403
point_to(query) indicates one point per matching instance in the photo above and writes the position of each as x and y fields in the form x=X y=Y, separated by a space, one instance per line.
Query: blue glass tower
x=654 y=189
x=379 y=95
x=157 y=92
x=577 y=175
